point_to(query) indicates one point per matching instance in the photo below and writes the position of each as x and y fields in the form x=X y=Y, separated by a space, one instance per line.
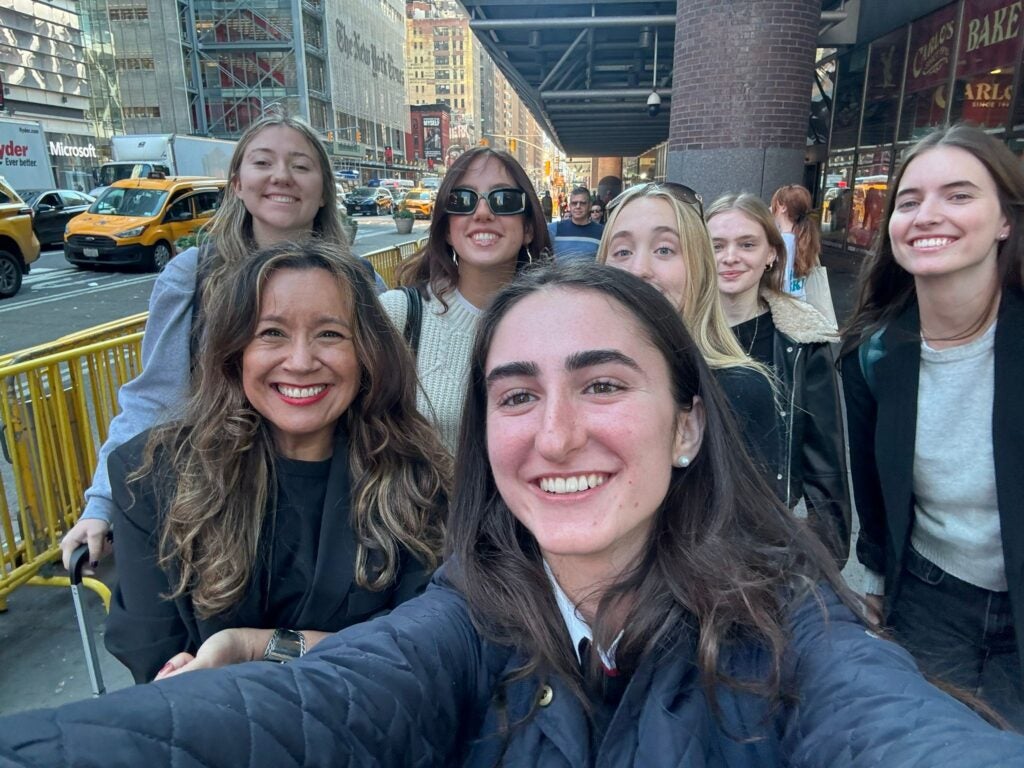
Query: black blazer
x=144 y=629
x=882 y=435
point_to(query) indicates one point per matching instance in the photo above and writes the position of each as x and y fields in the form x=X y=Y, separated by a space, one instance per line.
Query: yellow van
x=137 y=221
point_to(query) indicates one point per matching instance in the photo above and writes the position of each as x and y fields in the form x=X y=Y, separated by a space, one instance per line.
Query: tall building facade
x=211 y=67
x=443 y=67
x=43 y=56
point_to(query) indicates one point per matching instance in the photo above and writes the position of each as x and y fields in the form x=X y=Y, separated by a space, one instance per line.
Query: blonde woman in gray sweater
x=488 y=225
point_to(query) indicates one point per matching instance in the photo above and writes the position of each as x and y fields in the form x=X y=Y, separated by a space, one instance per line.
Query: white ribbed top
x=443 y=360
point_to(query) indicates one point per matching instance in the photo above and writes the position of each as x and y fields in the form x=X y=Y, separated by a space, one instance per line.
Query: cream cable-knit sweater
x=443 y=359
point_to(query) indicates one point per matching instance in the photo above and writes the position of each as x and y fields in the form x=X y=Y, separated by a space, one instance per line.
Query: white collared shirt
x=577 y=626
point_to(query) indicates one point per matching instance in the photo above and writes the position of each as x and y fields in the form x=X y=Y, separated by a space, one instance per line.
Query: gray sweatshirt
x=157 y=394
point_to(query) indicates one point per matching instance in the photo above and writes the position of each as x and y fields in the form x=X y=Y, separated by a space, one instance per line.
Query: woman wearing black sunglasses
x=488 y=224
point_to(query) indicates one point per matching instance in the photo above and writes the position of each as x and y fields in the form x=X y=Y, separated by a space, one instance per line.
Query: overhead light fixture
x=534 y=38
x=645 y=37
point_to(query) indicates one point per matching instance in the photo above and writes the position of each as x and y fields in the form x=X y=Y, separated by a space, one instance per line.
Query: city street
x=58 y=298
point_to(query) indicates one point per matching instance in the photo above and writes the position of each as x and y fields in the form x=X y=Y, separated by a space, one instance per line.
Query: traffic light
x=547 y=167
x=359 y=136
x=330 y=135
x=512 y=144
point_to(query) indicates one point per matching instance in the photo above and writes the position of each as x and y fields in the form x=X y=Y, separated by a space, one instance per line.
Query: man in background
x=576 y=238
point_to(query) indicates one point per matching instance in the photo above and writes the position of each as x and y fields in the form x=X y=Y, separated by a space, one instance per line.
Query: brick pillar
x=606 y=173
x=741 y=90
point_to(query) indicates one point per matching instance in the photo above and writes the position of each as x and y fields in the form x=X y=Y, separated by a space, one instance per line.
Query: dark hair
x=723 y=558
x=580 y=191
x=433 y=264
x=222 y=451
x=886 y=289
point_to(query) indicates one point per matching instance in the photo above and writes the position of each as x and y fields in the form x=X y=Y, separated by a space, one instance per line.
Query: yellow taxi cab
x=420 y=202
x=18 y=244
x=137 y=221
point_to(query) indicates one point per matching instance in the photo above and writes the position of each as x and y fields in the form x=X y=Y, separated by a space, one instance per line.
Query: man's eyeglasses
x=502 y=202
x=680 y=192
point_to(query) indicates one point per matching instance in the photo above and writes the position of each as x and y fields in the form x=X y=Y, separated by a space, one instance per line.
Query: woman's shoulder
x=798 y=320
x=396 y=305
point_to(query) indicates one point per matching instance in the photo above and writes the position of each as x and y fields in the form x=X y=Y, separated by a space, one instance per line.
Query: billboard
x=433 y=140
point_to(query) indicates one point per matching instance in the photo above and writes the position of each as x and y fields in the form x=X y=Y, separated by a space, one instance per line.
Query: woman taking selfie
x=280 y=189
x=793 y=339
x=487 y=226
x=656 y=231
x=932 y=367
x=623 y=591
x=301 y=491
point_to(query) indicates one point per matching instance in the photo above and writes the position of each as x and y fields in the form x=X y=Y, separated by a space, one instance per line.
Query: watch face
x=285 y=645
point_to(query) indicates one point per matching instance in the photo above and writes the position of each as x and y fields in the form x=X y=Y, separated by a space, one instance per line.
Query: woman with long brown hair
x=623 y=591
x=300 y=492
x=932 y=366
x=487 y=226
x=791 y=206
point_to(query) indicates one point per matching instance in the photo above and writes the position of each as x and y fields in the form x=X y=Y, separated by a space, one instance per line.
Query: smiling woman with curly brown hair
x=300 y=492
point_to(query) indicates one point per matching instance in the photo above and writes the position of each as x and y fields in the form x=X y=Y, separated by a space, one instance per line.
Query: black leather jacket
x=815 y=467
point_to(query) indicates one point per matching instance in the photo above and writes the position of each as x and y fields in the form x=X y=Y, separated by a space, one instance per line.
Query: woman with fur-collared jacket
x=792 y=338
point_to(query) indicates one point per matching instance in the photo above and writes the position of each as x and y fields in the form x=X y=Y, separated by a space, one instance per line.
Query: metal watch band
x=285 y=645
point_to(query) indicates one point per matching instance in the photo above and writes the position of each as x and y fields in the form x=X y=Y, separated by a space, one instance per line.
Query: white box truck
x=172 y=154
x=24 y=159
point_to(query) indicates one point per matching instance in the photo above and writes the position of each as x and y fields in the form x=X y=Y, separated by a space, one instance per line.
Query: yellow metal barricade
x=386 y=260
x=56 y=402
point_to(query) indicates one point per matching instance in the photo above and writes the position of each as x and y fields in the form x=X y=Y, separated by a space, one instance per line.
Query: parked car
x=369 y=200
x=52 y=209
x=18 y=244
x=420 y=202
x=137 y=221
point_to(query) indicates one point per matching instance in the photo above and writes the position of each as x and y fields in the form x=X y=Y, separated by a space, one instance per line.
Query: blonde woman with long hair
x=656 y=231
x=280 y=189
x=299 y=493
x=793 y=339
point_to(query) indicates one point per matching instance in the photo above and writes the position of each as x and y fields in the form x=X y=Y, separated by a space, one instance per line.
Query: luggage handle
x=79 y=559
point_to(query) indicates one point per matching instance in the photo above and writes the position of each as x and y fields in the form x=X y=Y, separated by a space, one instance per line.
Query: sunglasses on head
x=680 y=192
x=502 y=202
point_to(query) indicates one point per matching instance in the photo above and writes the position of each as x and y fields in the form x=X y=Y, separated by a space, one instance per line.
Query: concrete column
x=741 y=89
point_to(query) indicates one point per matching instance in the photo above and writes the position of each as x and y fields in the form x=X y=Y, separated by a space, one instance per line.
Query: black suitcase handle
x=79 y=559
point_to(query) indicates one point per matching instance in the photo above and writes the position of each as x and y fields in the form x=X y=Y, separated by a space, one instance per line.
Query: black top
x=752 y=402
x=291 y=536
x=303 y=578
x=756 y=336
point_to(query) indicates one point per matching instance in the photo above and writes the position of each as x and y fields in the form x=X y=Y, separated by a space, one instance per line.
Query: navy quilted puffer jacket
x=415 y=688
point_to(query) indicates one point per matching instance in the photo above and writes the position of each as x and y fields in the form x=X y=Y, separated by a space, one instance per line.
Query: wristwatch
x=285 y=645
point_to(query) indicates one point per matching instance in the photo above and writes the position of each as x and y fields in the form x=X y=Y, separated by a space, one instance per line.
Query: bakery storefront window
x=989 y=51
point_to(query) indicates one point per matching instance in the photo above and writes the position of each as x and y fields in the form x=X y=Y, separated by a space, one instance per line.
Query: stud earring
x=1003 y=236
x=683 y=461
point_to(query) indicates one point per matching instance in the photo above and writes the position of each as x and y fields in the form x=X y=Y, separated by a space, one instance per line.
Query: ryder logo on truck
x=16 y=154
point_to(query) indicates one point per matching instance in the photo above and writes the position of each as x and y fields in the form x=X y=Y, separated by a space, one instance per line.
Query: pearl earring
x=683 y=461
